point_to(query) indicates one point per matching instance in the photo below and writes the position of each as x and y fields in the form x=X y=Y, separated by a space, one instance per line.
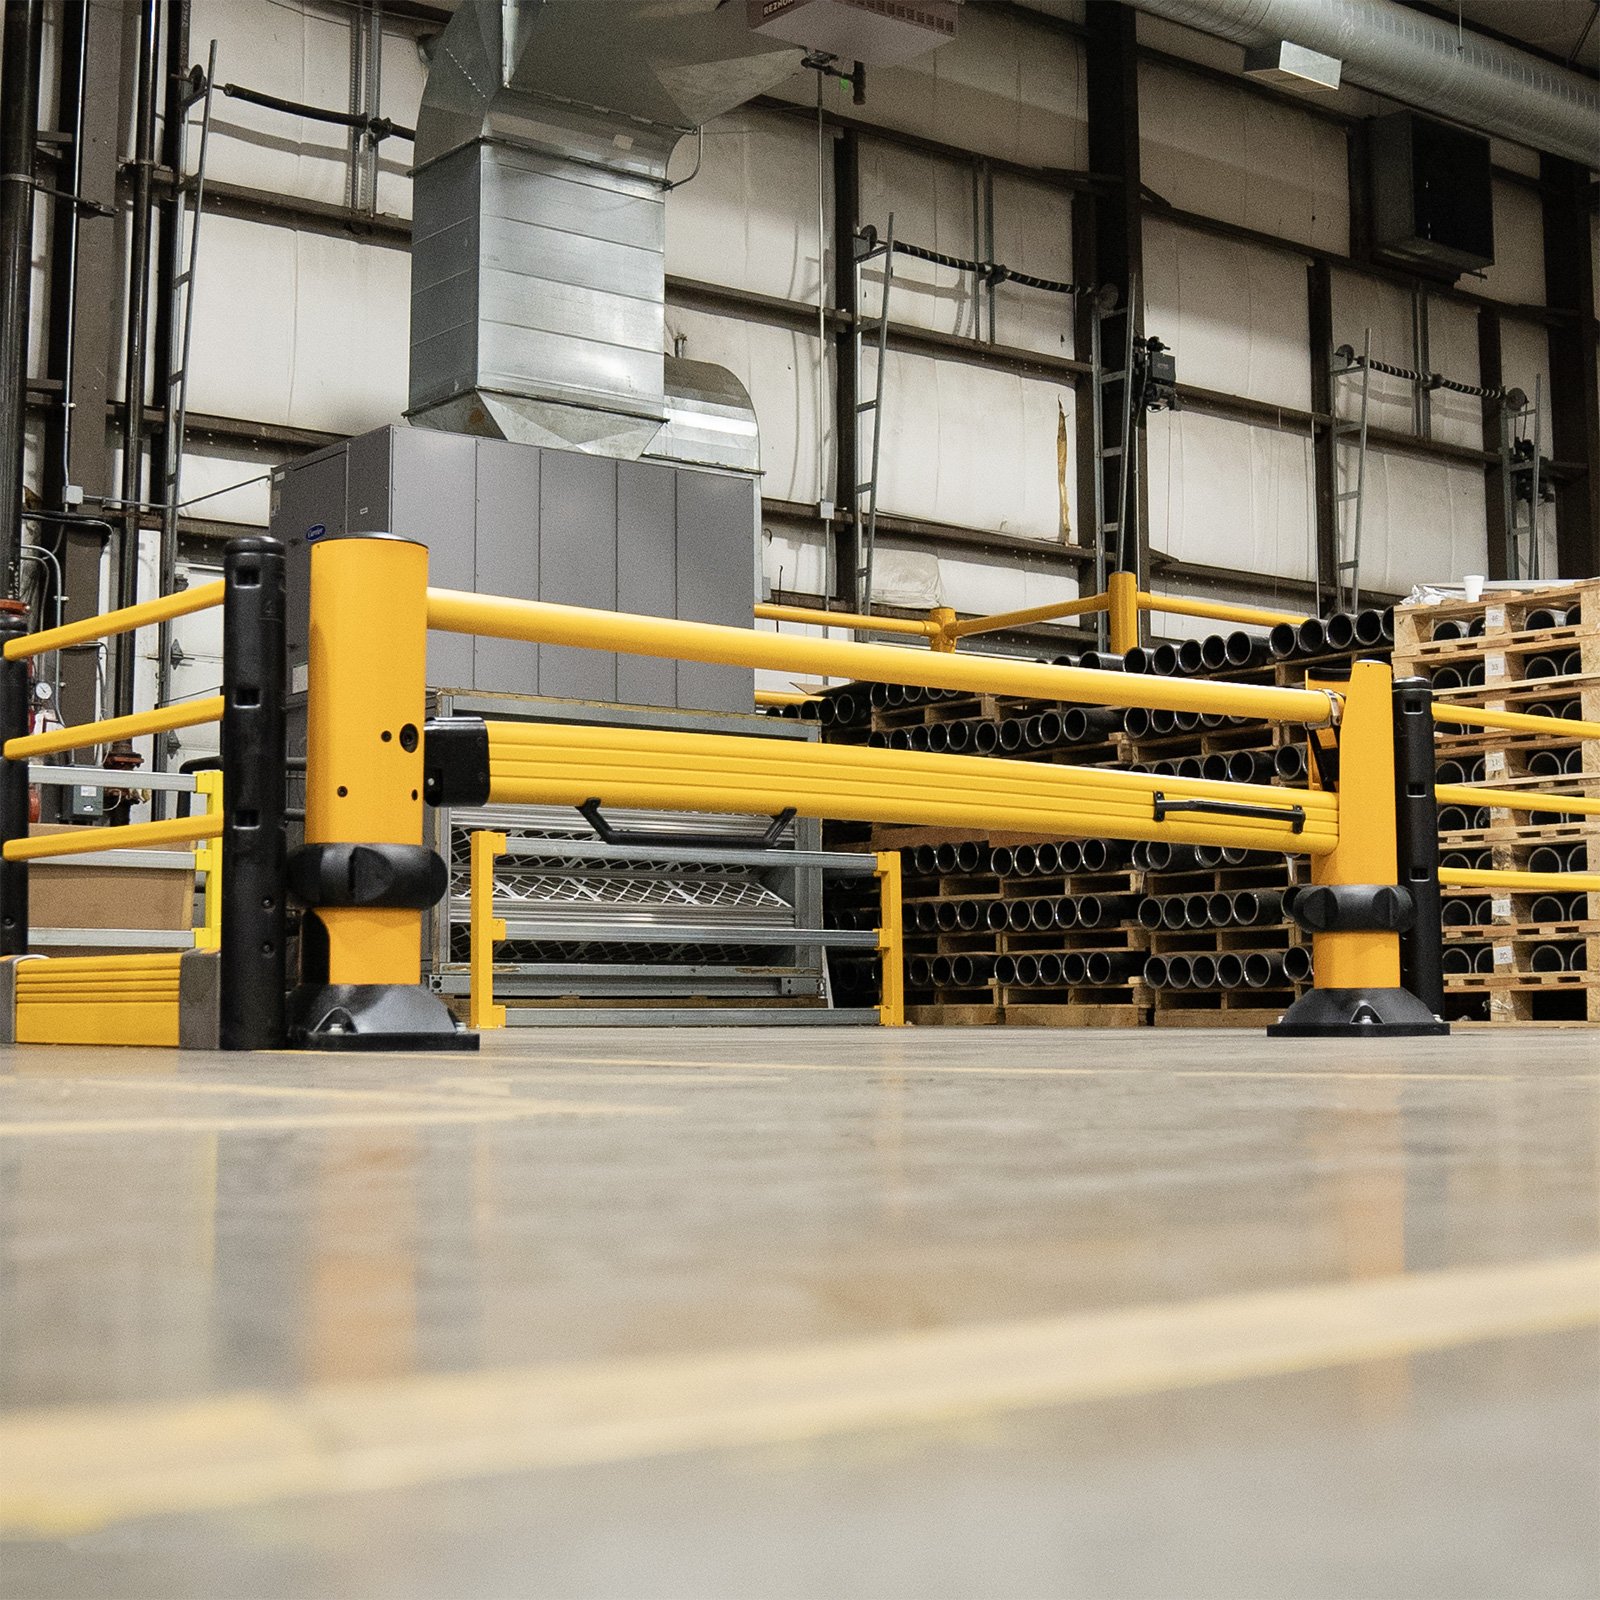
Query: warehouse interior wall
x=978 y=150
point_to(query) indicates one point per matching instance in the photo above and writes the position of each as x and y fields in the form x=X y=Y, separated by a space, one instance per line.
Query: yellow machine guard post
x=208 y=859
x=364 y=725
x=1366 y=851
x=484 y=929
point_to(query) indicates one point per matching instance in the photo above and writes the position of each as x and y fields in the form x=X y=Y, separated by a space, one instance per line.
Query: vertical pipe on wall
x=19 y=132
x=125 y=591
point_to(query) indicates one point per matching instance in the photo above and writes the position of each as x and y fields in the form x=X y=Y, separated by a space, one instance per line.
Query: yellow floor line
x=498 y=1111
x=70 y=1470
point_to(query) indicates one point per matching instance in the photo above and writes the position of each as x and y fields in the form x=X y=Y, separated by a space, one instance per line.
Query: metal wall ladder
x=869 y=248
x=183 y=259
x=1520 y=472
x=1109 y=522
x=1347 y=569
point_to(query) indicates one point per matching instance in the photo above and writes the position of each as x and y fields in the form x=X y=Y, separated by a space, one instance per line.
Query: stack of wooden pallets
x=1516 y=958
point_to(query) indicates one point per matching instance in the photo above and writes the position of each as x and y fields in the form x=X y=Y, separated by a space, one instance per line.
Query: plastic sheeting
x=975 y=447
x=1224 y=494
x=1234 y=314
x=749 y=218
x=1242 y=158
x=300 y=329
x=1006 y=86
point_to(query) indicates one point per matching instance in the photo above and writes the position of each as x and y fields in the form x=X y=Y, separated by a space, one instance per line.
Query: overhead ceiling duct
x=1419 y=61
x=538 y=242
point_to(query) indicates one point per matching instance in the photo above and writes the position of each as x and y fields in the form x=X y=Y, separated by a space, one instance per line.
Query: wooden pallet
x=1504 y=614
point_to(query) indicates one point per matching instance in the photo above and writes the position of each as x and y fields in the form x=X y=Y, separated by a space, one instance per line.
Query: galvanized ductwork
x=538 y=253
x=1418 y=61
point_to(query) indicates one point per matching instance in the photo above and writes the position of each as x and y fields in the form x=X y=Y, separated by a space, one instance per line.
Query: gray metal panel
x=578 y=564
x=507 y=558
x=368 y=487
x=434 y=500
x=716 y=579
x=647 y=573
x=307 y=497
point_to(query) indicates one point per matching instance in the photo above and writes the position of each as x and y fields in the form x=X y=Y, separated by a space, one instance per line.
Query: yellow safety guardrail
x=1466 y=794
x=852 y=621
x=484 y=928
x=134 y=836
x=783 y=697
x=540 y=622
x=111 y=623
x=208 y=859
x=1216 y=610
x=567 y=764
x=164 y=719
x=1516 y=721
x=1526 y=882
x=891 y=941
x=1088 y=605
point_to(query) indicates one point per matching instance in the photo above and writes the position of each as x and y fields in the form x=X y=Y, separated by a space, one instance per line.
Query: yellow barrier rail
x=1464 y=794
x=854 y=621
x=1517 y=721
x=1525 y=882
x=1216 y=611
x=136 y=835
x=1085 y=606
x=559 y=764
x=111 y=623
x=539 y=622
x=784 y=697
x=162 y=720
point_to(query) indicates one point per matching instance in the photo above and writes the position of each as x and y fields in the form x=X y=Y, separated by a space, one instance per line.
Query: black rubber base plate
x=374 y=1016
x=1358 y=1014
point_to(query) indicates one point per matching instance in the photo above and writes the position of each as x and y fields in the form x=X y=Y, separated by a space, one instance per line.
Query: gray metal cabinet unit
x=540 y=524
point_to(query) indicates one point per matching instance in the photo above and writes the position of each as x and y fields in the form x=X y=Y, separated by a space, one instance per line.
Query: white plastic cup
x=1473 y=583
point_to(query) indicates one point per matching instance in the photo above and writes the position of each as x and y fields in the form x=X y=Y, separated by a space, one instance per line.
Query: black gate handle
x=1295 y=816
x=590 y=812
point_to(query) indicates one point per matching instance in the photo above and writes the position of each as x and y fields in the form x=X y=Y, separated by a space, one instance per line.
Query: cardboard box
x=64 y=896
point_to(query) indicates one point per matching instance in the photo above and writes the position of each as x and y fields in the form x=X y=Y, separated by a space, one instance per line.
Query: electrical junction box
x=1432 y=195
x=880 y=33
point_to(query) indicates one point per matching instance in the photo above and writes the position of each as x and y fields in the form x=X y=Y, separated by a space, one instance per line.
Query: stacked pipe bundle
x=1047 y=930
x=1516 y=957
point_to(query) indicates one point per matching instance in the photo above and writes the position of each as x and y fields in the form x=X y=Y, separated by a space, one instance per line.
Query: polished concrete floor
x=710 y=1314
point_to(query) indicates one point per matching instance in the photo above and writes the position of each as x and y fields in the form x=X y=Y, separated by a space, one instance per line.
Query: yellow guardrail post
x=891 y=941
x=1122 y=596
x=1354 y=909
x=208 y=859
x=483 y=929
x=945 y=620
x=364 y=872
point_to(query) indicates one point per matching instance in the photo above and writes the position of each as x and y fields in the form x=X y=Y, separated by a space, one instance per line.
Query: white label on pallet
x=1502 y=955
x=1494 y=665
x=1494 y=764
x=1494 y=617
x=1500 y=908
